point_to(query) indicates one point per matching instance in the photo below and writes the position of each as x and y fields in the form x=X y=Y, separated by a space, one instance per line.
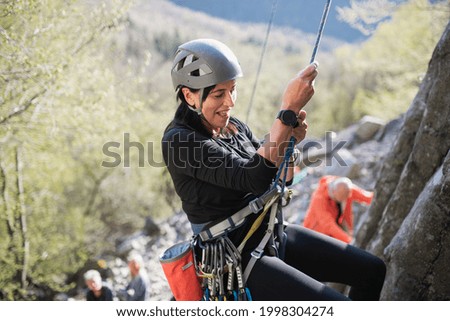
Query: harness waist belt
x=253 y=207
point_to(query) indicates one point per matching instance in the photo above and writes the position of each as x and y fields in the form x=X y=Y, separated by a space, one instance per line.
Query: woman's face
x=218 y=104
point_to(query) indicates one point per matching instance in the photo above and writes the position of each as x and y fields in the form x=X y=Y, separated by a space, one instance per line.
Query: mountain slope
x=303 y=15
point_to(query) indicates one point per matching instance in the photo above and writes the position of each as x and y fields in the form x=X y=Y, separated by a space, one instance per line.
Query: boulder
x=367 y=127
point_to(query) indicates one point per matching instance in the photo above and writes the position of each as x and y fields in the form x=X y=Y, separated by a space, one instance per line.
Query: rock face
x=408 y=222
x=420 y=270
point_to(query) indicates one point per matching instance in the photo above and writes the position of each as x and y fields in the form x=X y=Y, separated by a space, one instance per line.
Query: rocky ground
x=356 y=152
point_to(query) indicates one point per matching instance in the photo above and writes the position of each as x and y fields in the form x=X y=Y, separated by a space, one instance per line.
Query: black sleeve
x=201 y=157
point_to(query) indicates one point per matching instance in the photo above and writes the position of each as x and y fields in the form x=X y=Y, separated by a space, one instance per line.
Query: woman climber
x=218 y=168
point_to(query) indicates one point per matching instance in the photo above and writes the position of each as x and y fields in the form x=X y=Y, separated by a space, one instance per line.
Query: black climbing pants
x=310 y=259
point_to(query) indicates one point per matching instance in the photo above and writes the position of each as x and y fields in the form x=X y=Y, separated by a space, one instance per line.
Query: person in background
x=139 y=287
x=98 y=291
x=330 y=211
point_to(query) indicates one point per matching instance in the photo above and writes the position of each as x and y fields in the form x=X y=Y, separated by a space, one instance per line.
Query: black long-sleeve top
x=214 y=177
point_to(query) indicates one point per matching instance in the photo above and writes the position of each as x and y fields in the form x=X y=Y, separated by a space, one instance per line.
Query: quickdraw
x=220 y=269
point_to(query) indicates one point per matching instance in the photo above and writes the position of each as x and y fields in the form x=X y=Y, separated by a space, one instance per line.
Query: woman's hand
x=299 y=132
x=300 y=89
x=297 y=94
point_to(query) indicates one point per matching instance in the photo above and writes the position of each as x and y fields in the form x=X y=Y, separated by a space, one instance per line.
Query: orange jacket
x=323 y=211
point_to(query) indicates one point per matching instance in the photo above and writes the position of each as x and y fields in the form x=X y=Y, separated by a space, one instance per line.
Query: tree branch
x=23 y=219
x=19 y=110
x=9 y=224
x=95 y=189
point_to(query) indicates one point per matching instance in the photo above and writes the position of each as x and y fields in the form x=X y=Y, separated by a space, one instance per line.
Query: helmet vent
x=202 y=70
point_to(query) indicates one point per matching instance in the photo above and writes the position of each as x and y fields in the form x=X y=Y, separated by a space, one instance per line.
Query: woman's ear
x=189 y=96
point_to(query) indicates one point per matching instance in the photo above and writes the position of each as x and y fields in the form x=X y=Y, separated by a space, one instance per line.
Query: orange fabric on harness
x=179 y=267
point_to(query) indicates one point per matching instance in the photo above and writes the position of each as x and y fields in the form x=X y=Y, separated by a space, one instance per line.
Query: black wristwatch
x=288 y=117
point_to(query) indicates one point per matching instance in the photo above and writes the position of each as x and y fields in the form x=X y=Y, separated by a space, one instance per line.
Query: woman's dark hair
x=206 y=92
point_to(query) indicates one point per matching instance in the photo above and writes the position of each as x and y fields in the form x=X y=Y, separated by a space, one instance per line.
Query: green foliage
x=59 y=97
x=396 y=57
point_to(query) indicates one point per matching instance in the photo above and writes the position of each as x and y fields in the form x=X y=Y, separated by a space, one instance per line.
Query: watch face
x=288 y=117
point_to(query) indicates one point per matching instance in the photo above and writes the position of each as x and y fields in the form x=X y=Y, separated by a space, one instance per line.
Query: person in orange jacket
x=330 y=211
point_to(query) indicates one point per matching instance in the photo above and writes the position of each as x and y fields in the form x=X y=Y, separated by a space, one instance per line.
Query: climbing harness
x=210 y=262
x=221 y=261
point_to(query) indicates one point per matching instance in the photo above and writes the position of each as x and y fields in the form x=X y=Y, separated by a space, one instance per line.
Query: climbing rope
x=319 y=33
x=261 y=58
x=263 y=51
x=291 y=146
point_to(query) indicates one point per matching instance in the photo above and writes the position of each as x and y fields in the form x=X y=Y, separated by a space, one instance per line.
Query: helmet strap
x=198 y=110
x=202 y=90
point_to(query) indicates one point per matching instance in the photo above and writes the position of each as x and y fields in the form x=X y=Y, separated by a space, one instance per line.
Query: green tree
x=57 y=101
